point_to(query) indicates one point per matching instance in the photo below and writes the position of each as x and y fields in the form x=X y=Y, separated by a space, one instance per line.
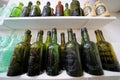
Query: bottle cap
x=30 y=3
x=48 y=3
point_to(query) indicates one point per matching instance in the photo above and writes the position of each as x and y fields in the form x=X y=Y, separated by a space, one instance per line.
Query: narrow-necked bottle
x=53 y=56
x=26 y=10
x=107 y=54
x=17 y=11
x=35 y=11
x=67 y=10
x=72 y=57
x=36 y=65
x=47 y=10
x=59 y=9
x=62 y=46
x=91 y=59
x=19 y=61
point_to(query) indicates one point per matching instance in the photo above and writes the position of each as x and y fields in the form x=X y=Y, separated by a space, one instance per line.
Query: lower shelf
x=108 y=75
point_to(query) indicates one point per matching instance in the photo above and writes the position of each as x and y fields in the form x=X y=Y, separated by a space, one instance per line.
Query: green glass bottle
x=17 y=11
x=35 y=11
x=67 y=10
x=72 y=57
x=62 y=46
x=36 y=65
x=19 y=61
x=90 y=55
x=107 y=54
x=26 y=10
x=53 y=56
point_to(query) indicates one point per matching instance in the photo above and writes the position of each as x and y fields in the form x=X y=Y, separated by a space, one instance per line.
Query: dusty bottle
x=72 y=57
x=26 y=10
x=17 y=11
x=53 y=56
x=35 y=11
x=107 y=54
x=19 y=61
x=59 y=9
x=90 y=55
x=67 y=10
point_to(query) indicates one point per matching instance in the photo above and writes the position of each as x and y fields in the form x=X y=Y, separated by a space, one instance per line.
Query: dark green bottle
x=36 y=65
x=62 y=54
x=72 y=57
x=90 y=55
x=53 y=56
x=107 y=54
x=17 y=11
x=19 y=61
x=26 y=10
x=35 y=11
x=67 y=10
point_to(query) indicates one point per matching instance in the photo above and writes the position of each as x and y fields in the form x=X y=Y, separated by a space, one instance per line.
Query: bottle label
x=87 y=10
x=101 y=9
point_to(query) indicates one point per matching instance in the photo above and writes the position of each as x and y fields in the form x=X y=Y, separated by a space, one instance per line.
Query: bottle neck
x=70 y=36
x=27 y=38
x=98 y=37
x=20 y=6
x=54 y=37
x=101 y=35
x=85 y=36
x=62 y=39
x=74 y=37
x=40 y=38
x=48 y=39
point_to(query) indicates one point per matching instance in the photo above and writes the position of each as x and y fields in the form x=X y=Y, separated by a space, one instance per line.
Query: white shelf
x=58 y=22
x=63 y=76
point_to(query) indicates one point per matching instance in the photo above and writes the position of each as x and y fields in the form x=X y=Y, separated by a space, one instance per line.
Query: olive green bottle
x=36 y=65
x=20 y=58
x=90 y=55
x=35 y=11
x=107 y=54
x=67 y=10
x=72 y=57
x=53 y=56
x=62 y=46
x=17 y=11
x=26 y=10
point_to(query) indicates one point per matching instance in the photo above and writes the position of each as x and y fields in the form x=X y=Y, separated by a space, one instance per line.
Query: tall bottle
x=19 y=61
x=36 y=65
x=53 y=56
x=62 y=46
x=47 y=10
x=90 y=55
x=67 y=10
x=72 y=57
x=107 y=54
x=17 y=11
x=26 y=10
x=35 y=11
x=59 y=9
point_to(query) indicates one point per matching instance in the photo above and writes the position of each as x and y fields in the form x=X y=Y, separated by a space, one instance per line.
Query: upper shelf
x=58 y=22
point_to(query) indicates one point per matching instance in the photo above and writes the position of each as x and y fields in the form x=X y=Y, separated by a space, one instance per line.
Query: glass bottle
x=107 y=54
x=26 y=10
x=53 y=56
x=72 y=57
x=52 y=12
x=47 y=10
x=59 y=9
x=35 y=11
x=67 y=10
x=90 y=55
x=62 y=46
x=36 y=65
x=17 y=11
x=19 y=61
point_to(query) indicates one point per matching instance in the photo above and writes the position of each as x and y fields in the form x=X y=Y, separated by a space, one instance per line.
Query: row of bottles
x=53 y=58
x=99 y=9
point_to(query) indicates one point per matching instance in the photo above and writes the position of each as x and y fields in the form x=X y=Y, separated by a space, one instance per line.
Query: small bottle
x=73 y=65
x=53 y=56
x=62 y=46
x=52 y=12
x=90 y=55
x=107 y=53
x=47 y=10
x=26 y=10
x=17 y=11
x=59 y=9
x=19 y=61
x=36 y=62
x=35 y=11
x=101 y=9
x=89 y=10
x=67 y=10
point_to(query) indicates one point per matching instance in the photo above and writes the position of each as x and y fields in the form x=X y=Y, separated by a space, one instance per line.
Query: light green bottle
x=67 y=10
x=17 y=11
